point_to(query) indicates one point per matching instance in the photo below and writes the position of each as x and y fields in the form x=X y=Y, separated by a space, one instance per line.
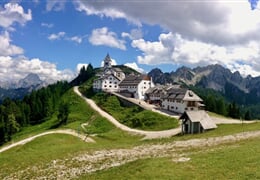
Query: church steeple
x=107 y=62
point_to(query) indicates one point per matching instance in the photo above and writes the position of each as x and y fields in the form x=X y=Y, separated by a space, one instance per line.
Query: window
x=115 y=86
x=110 y=82
x=115 y=82
x=105 y=86
x=144 y=82
x=110 y=86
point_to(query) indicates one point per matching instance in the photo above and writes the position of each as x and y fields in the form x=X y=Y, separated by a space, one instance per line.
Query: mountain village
x=171 y=98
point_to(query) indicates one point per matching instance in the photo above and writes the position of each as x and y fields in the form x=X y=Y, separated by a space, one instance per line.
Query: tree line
x=32 y=109
x=219 y=103
x=38 y=106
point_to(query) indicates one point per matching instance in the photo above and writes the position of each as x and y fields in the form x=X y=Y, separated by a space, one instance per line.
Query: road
x=146 y=134
x=61 y=131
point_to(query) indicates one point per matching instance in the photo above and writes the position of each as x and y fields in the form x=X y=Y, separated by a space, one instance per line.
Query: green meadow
x=238 y=160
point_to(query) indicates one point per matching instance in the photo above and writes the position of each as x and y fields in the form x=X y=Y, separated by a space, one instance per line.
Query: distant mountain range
x=17 y=90
x=245 y=90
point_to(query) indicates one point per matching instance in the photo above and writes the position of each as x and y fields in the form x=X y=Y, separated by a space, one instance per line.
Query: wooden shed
x=196 y=122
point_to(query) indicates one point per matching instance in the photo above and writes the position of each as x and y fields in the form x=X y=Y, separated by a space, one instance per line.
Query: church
x=113 y=79
x=109 y=78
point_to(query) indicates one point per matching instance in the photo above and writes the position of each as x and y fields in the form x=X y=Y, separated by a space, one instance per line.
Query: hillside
x=114 y=151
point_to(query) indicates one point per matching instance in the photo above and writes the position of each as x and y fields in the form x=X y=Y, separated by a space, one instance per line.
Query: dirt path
x=104 y=159
x=63 y=131
x=219 y=120
x=146 y=134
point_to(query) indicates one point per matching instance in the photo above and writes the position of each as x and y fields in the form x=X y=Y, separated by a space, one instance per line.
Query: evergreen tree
x=63 y=113
x=221 y=107
x=247 y=115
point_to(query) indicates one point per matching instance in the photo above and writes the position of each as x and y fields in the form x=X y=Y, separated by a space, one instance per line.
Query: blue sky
x=53 y=37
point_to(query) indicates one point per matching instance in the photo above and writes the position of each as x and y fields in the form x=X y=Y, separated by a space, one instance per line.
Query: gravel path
x=88 y=162
x=63 y=131
x=146 y=134
x=219 y=120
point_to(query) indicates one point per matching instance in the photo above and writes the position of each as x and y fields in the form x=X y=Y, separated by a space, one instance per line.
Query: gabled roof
x=181 y=94
x=191 y=96
x=199 y=116
x=133 y=80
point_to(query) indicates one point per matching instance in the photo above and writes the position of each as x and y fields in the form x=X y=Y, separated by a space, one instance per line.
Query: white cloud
x=56 y=36
x=62 y=36
x=134 y=66
x=106 y=38
x=6 y=48
x=76 y=39
x=173 y=49
x=107 y=11
x=218 y=22
x=13 y=13
x=55 y=5
x=134 y=34
x=80 y=65
x=113 y=63
x=47 y=25
x=20 y=67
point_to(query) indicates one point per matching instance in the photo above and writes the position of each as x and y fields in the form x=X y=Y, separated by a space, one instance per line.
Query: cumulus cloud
x=103 y=36
x=13 y=13
x=20 y=67
x=134 y=66
x=217 y=22
x=56 y=36
x=174 y=49
x=6 y=48
x=134 y=34
x=90 y=8
x=55 y=5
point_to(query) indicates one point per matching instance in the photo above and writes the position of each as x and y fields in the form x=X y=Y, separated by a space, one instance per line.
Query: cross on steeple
x=107 y=62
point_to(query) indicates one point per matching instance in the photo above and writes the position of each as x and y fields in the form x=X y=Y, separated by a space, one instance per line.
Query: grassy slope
x=45 y=149
x=240 y=161
x=134 y=116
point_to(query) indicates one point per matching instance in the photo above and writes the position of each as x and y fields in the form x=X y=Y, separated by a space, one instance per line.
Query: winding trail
x=146 y=134
x=61 y=131
x=88 y=162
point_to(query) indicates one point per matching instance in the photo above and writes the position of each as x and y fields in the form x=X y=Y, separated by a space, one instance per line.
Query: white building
x=180 y=100
x=109 y=77
x=135 y=86
x=107 y=83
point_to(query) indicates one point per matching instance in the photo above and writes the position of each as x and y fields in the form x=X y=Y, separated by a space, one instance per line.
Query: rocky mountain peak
x=29 y=81
x=214 y=77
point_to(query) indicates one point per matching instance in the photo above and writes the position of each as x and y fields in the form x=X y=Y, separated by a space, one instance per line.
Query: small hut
x=196 y=122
